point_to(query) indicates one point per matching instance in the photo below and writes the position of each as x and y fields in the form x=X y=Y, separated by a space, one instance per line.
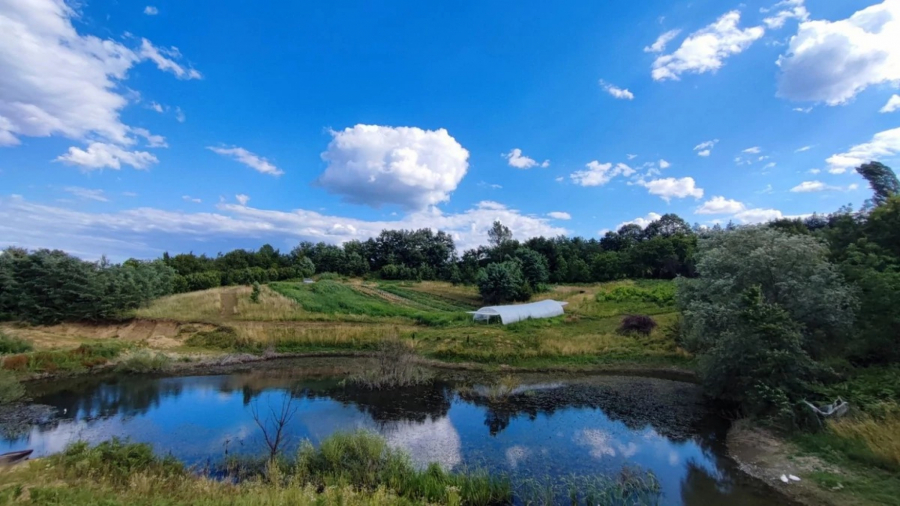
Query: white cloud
x=188 y=198
x=720 y=205
x=804 y=110
x=662 y=41
x=179 y=115
x=406 y=166
x=705 y=148
x=804 y=148
x=560 y=179
x=769 y=165
x=641 y=222
x=139 y=231
x=706 y=49
x=883 y=145
x=242 y=199
x=155 y=54
x=151 y=10
x=670 y=187
x=892 y=104
x=100 y=155
x=87 y=194
x=790 y=9
x=758 y=215
x=249 y=159
x=832 y=61
x=616 y=92
x=516 y=159
x=753 y=150
x=664 y=164
x=818 y=186
x=814 y=171
x=156 y=107
x=55 y=81
x=130 y=194
x=559 y=215
x=767 y=189
x=153 y=141
x=630 y=156
x=598 y=174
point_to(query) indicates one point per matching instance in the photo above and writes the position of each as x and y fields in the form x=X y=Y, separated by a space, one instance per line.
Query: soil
x=765 y=456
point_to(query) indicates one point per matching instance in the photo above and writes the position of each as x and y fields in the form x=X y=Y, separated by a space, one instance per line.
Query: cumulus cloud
x=662 y=41
x=707 y=49
x=242 y=199
x=406 y=166
x=159 y=57
x=640 y=221
x=179 y=115
x=560 y=215
x=516 y=159
x=249 y=159
x=788 y=9
x=151 y=10
x=87 y=194
x=153 y=141
x=671 y=187
x=883 y=145
x=99 y=155
x=892 y=104
x=598 y=174
x=832 y=61
x=139 y=231
x=616 y=92
x=758 y=215
x=720 y=205
x=156 y=107
x=664 y=164
x=55 y=81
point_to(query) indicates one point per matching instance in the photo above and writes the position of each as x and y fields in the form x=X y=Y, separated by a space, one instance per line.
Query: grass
x=10 y=388
x=352 y=469
x=83 y=358
x=145 y=362
x=393 y=366
x=10 y=344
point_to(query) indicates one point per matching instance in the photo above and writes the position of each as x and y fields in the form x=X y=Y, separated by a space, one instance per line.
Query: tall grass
x=145 y=362
x=10 y=344
x=350 y=469
x=394 y=365
x=881 y=437
x=10 y=388
x=661 y=293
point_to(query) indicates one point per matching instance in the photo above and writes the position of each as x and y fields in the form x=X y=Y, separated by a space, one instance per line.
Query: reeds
x=881 y=436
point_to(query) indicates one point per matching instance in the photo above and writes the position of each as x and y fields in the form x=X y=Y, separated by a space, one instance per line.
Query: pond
x=537 y=428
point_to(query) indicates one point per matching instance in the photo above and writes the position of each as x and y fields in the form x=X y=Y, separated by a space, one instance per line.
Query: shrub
x=223 y=338
x=637 y=324
x=145 y=362
x=115 y=461
x=503 y=282
x=658 y=293
x=9 y=344
x=15 y=362
x=10 y=388
x=394 y=367
x=254 y=295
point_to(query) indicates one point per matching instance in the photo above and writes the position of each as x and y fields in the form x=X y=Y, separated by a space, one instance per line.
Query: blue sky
x=129 y=129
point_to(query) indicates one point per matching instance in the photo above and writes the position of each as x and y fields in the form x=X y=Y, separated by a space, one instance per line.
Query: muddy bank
x=766 y=456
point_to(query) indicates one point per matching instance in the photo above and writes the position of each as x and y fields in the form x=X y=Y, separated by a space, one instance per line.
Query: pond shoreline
x=224 y=363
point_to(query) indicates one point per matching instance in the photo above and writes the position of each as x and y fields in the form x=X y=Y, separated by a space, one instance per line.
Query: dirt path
x=228 y=302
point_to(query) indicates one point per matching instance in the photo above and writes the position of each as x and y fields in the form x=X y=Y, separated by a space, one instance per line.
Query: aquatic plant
x=394 y=365
x=145 y=362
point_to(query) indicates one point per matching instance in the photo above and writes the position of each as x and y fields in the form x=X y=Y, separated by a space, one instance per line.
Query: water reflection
x=583 y=426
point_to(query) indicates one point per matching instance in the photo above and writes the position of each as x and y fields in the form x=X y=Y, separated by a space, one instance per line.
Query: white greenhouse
x=519 y=312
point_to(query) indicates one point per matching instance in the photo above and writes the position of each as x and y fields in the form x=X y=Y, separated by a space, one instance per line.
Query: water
x=550 y=427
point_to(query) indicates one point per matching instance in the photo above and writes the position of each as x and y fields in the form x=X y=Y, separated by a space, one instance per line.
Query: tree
x=499 y=234
x=272 y=425
x=667 y=225
x=791 y=271
x=534 y=268
x=502 y=282
x=881 y=179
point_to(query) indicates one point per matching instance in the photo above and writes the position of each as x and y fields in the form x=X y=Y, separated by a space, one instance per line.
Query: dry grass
x=881 y=436
x=203 y=306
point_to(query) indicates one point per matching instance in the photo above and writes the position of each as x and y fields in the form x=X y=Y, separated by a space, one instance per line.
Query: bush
x=15 y=363
x=254 y=295
x=9 y=344
x=115 y=461
x=10 y=388
x=144 y=363
x=637 y=324
x=503 y=282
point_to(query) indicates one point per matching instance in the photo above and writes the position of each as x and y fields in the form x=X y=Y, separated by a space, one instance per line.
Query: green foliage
x=10 y=388
x=499 y=234
x=759 y=362
x=660 y=293
x=503 y=282
x=791 y=271
x=366 y=461
x=9 y=344
x=46 y=287
x=144 y=363
x=254 y=294
x=881 y=179
x=115 y=460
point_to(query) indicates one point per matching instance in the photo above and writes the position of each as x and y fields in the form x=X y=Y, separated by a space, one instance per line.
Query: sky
x=128 y=129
